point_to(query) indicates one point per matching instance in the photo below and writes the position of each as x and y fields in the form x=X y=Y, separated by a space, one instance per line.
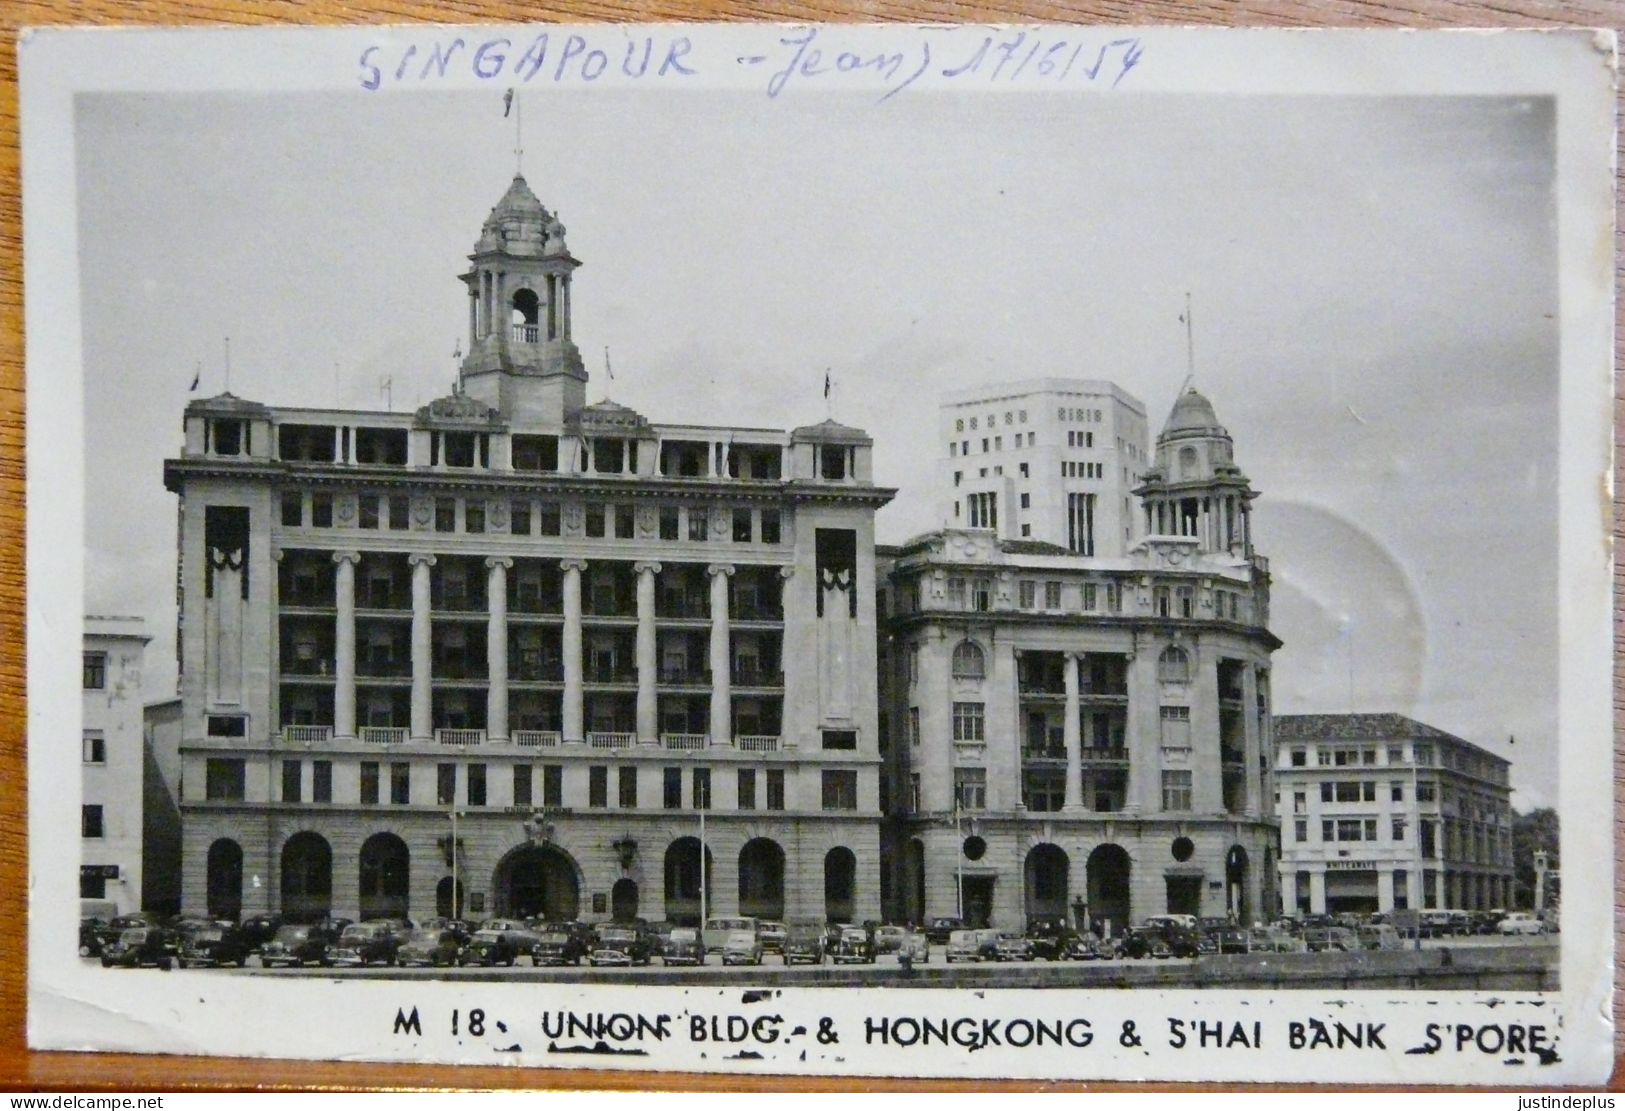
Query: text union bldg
x=575 y=629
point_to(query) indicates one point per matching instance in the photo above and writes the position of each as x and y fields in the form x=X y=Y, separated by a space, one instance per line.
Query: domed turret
x=1195 y=489
x=521 y=359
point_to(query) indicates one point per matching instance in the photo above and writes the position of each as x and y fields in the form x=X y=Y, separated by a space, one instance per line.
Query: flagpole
x=1190 y=340
x=702 y=887
x=960 y=859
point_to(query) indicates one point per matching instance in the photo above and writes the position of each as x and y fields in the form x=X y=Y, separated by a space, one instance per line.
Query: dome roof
x=1193 y=413
x=520 y=224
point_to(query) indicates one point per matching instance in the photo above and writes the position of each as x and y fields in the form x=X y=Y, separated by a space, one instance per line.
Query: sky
x=1374 y=286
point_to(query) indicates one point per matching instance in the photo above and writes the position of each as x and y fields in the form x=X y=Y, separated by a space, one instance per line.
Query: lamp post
x=456 y=890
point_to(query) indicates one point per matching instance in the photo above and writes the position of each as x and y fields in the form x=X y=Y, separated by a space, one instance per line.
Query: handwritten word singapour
x=574 y=59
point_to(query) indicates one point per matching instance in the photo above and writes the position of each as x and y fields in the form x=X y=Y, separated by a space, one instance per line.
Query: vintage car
x=522 y=935
x=621 y=945
x=1234 y=940
x=557 y=946
x=682 y=946
x=365 y=943
x=92 y=936
x=297 y=945
x=1520 y=922
x=772 y=935
x=889 y=939
x=915 y=949
x=971 y=945
x=429 y=946
x=1329 y=939
x=1012 y=946
x=1049 y=938
x=260 y=928
x=1270 y=939
x=142 y=945
x=938 y=930
x=742 y=947
x=716 y=931
x=1082 y=946
x=217 y=944
x=1378 y=937
x=1163 y=936
x=804 y=943
x=487 y=948
x=856 y=945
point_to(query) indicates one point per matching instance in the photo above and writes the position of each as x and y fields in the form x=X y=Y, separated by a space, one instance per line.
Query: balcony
x=1115 y=754
x=307 y=734
x=383 y=734
x=317 y=666
x=458 y=601
x=383 y=669
x=971 y=751
x=526 y=333
x=693 y=609
x=686 y=676
x=1103 y=693
x=684 y=742
x=757 y=611
x=611 y=740
x=601 y=606
x=1042 y=688
x=399 y=600
x=536 y=738
x=611 y=674
x=1043 y=753
x=755 y=742
x=297 y=598
x=549 y=671
x=757 y=677
x=462 y=737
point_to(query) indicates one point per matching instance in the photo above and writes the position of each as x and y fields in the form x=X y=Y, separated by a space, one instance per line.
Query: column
x=1071 y=733
x=721 y=661
x=648 y=717
x=344 y=645
x=1317 y=892
x=473 y=320
x=572 y=649
x=496 y=648
x=422 y=648
x=564 y=325
x=1251 y=775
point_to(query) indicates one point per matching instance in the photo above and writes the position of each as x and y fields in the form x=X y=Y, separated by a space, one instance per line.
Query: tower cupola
x=1194 y=488
x=521 y=358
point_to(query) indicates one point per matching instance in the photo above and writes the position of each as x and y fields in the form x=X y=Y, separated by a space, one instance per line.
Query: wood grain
x=22 y=1069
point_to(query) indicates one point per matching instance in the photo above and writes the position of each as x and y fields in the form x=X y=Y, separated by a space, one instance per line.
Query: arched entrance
x=537 y=880
x=683 y=881
x=1108 y=869
x=385 y=877
x=225 y=883
x=444 y=905
x=1235 y=885
x=623 y=900
x=1046 y=882
x=840 y=877
x=307 y=877
x=761 y=879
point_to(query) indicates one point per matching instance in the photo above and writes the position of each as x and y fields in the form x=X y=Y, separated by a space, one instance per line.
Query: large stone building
x=1380 y=812
x=113 y=755
x=1086 y=735
x=500 y=655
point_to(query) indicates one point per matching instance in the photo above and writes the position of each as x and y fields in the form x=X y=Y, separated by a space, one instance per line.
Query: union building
x=513 y=653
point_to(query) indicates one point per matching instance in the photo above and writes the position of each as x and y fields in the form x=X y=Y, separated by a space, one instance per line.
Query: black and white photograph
x=1044 y=551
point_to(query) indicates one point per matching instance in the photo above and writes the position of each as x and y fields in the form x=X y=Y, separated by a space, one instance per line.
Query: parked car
x=804 y=943
x=297 y=945
x=1048 y=937
x=1012 y=946
x=915 y=949
x=1327 y=939
x=1520 y=922
x=624 y=945
x=260 y=928
x=1484 y=922
x=1234 y=940
x=366 y=943
x=682 y=947
x=431 y=946
x=217 y=944
x=1379 y=936
x=965 y=945
x=1272 y=939
x=889 y=939
x=557 y=946
x=523 y=935
x=742 y=947
x=772 y=935
x=488 y=948
x=142 y=945
x=1141 y=942
x=92 y=936
x=855 y=946
x=1082 y=946
x=716 y=930
x=938 y=930
x=1445 y=923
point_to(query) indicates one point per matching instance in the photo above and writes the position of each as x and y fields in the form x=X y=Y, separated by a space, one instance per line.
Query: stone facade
x=573 y=628
x=113 y=759
x=1086 y=736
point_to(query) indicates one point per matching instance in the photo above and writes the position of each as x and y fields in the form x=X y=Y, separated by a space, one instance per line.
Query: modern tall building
x=113 y=754
x=1085 y=735
x=514 y=653
x=1379 y=812
x=1050 y=459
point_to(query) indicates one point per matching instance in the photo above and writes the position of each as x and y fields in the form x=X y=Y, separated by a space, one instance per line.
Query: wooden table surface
x=21 y=1069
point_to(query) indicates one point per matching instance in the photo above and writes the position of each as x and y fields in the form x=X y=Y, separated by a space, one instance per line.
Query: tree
x=1532 y=832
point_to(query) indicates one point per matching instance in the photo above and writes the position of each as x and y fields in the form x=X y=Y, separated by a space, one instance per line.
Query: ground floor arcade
x=1366 y=887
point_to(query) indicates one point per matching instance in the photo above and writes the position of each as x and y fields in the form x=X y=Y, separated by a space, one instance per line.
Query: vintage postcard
x=1025 y=551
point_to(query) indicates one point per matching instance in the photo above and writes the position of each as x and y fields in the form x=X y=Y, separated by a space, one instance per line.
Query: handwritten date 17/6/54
x=1012 y=57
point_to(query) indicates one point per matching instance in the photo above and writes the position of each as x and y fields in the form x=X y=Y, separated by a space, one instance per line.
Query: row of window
x=225 y=781
x=992 y=444
x=525 y=517
x=1071 y=469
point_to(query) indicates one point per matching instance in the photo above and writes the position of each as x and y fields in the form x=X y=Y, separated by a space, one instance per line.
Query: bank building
x=516 y=654
x=1076 y=670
